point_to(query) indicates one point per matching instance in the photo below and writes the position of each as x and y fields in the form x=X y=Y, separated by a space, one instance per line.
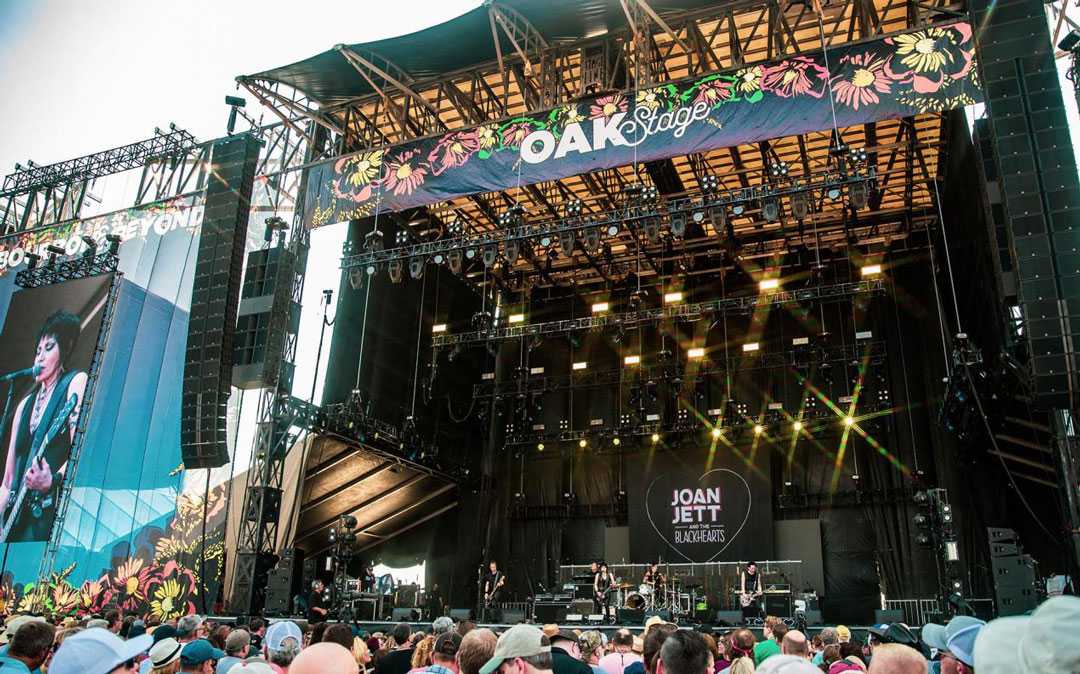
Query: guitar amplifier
x=778 y=604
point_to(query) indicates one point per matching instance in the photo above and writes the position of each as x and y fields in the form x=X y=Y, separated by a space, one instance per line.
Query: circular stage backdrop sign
x=688 y=511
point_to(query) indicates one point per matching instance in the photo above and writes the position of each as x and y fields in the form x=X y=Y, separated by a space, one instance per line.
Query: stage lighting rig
x=770 y=209
x=54 y=252
x=779 y=170
x=401 y=238
x=455 y=228
x=590 y=239
x=800 y=205
x=394 y=269
x=858 y=195
x=678 y=225
x=454 y=261
x=511 y=251
x=490 y=255
x=416 y=267
x=710 y=183
x=91 y=246
x=567 y=239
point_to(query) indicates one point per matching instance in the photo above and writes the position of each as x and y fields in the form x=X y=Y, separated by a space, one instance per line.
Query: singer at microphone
x=55 y=381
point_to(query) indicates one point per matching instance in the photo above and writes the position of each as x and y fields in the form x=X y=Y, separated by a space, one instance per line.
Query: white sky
x=77 y=76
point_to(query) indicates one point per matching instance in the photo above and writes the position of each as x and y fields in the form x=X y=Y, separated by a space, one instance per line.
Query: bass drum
x=634 y=600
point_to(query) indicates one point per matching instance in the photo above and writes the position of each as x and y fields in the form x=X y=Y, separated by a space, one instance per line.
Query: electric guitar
x=15 y=501
x=748 y=598
x=489 y=598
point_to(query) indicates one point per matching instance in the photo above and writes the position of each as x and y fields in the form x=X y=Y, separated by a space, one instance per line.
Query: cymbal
x=625 y=586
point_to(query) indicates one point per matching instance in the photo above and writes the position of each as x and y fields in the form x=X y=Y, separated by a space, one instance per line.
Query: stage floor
x=858 y=632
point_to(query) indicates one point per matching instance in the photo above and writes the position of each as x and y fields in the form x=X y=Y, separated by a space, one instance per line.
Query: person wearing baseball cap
x=444 y=654
x=1040 y=643
x=566 y=654
x=282 y=644
x=97 y=651
x=522 y=649
x=200 y=656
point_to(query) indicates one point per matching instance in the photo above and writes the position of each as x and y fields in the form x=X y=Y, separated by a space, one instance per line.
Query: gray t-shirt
x=227 y=663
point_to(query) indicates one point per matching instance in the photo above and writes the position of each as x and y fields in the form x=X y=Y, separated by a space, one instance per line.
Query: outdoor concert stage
x=646 y=281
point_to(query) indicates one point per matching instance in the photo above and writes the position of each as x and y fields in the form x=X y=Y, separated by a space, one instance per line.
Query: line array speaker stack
x=1029 y=136
x=1014 y=573
x=214 y=299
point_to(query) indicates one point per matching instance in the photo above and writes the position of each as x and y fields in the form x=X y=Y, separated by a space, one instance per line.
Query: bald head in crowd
x=897 y=659
x=477 y=647
x=324 y=658
x=795 y=643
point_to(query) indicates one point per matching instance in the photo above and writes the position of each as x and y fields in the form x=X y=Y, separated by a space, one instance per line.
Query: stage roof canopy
x=460 y=43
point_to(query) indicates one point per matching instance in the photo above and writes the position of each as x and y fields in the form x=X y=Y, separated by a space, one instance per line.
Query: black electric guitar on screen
x=10 y=510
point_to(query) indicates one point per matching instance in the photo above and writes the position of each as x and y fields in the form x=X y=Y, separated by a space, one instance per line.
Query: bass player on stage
x=43 y=426
x=493 y=584
x=750 y=592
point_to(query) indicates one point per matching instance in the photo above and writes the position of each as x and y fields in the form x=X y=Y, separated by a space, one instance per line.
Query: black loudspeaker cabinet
x=406 y=615
x=888 y=616
x=460 y=614
x=215 y=295
x=278 y=591
x=630 y=616
x=812 y=617
x=664 y=614
x=778 y=605
x=550 y=613
x=729 y=618
x=513 y=616
x=493 y=616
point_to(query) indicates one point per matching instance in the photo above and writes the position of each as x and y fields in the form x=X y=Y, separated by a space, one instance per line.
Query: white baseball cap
x=96 y=651
x=1035 y=644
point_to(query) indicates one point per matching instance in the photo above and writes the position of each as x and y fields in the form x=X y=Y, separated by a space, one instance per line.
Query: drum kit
x=674 y=595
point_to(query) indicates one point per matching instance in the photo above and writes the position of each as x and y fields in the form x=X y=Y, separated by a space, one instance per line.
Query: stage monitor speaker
x=630 y=616
x=550 y=613
x=512 y=616
x=215 y=295
x=729 y=618
x=460 y=614
x=581 y=606
x=812 y=617
x=664 y=614
x=888 y=616
x=404 y=615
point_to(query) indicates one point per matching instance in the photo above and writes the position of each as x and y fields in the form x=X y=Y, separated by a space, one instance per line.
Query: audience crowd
x=1045 y=642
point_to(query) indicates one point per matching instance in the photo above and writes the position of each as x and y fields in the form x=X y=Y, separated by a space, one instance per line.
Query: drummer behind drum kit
x=676 y=595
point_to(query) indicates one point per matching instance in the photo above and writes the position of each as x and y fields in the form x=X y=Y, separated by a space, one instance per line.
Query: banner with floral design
x=927 y=70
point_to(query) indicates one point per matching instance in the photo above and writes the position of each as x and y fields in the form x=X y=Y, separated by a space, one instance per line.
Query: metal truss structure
x=35 y=196
x=630 y=215
x=792 y=359
x=813 y=421
x=674 y=312
x=539 y=71
x=67 y=269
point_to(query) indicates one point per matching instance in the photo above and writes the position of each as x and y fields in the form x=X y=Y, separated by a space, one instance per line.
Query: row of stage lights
x=639 y=213
x=90 y=250
x=715 y=432
x=673 y=298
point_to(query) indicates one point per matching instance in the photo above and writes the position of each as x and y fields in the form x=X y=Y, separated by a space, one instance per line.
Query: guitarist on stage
x=750 y=591
x=55 y=382
x=602 y=584
x=493 y=584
